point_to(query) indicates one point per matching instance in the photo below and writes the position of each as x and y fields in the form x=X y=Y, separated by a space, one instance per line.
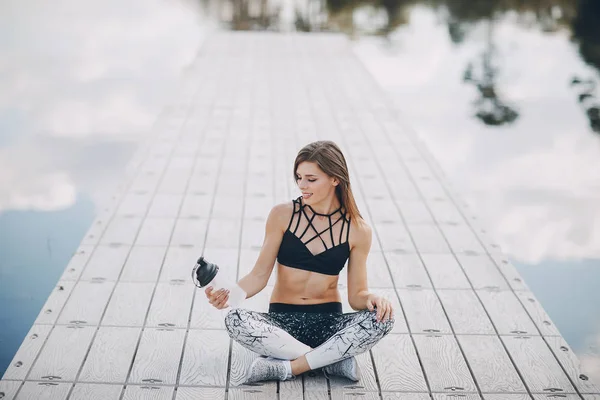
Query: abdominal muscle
x=296 y=286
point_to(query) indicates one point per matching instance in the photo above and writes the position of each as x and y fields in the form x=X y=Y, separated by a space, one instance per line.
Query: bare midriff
x=297 y=286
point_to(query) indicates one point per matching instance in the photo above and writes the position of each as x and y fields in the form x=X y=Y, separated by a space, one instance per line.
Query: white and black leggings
x=321 y=332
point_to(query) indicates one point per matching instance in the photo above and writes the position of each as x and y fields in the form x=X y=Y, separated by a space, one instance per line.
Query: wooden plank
x=258 y=208
x=135 y=203
x=537 y=365
x=87 y=303
x=373 y=186
x=490 y=364
x=95 y=391
x=165 y=205
x=461 y=396
x=205 y=315
x=63 y=353
x=401 y=189
x=187 y=393
x=428 y=238
x=230 y=184
x=506 y=312
x=179 y=263
x=378 y=275
x=462 y=239
x=537 y=313
x=9 y=389
x=128 y=304
x=506 y=396
x=27 y=352
x=253 y=234
x=407 y=270
x=293 y=389
x=111 y=354
x=538 y=396
x=57 y=299
x=444 y=365
x=228 y=207
x=445 y=271
x=254 y=393
x=155 y=232
x=223 y=233
x=509 y=271
x=397 y=364
x=146 y=181
x=148 y=392
x=241 y=359
x=44 y=391
x=171 y=305
x=106 y=262
x=157 y=357
x=226 y=259
x=405 y=396
x=414 y=212
x=570 y=362
x=77 y=263
x=314 y=381
x=340 y=394
x=205 y=358
x=381 y=210
x=465 y=312
x=423 y=311
x=189 y=232
x=445 y=212
x=482 y=271
x=174 y=180
x=314 y=395
x=591 y=396
x=121 y=229
x=367 y=382
x=143 y=264
x=394 y=237
x=197 y=205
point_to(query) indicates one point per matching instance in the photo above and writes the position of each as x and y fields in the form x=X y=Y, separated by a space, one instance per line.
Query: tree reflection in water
x=581 y=17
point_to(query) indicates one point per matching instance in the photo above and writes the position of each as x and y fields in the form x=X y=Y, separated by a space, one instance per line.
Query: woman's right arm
x=257 y=279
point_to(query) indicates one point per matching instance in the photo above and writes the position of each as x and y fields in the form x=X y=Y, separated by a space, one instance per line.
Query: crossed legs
x=309 y=340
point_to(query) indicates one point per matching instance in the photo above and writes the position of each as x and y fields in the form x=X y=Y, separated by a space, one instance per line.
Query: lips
x=306 y=195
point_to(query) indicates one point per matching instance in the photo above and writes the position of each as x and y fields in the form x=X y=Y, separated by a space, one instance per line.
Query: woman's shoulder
x=360 y=231
x=282 y=212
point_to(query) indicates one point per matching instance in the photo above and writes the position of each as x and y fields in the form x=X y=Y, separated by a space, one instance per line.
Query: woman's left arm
x=359 y=297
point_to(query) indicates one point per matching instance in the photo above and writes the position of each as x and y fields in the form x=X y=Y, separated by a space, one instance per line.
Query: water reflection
x=80 y=85
x=383 y=17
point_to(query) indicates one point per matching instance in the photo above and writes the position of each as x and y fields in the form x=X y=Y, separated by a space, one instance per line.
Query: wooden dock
x=126 y=322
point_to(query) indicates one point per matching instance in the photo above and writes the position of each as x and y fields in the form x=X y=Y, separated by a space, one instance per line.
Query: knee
x=233 y=322
x=381 y=326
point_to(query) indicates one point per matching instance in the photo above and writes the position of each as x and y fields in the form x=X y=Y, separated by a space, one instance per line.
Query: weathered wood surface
x=125 y=322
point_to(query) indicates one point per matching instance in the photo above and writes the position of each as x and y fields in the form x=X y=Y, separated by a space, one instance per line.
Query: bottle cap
x=205 y=271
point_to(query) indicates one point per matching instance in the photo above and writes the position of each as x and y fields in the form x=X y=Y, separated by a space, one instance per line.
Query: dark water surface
x=502 y=92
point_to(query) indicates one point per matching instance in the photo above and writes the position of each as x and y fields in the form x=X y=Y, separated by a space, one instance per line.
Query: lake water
x=493 y=100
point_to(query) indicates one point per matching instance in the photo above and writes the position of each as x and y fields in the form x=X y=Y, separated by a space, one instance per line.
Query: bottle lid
x=205 y=271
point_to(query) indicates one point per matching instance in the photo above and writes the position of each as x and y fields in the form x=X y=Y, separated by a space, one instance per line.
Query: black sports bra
x=324 y=256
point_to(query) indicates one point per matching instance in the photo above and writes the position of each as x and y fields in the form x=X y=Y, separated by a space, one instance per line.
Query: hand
x=384 y=307
x=218 y=298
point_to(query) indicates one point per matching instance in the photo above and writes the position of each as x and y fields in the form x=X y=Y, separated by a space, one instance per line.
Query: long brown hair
x=328 y=156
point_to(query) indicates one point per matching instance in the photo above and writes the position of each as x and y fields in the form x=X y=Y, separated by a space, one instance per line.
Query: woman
x=311 y=239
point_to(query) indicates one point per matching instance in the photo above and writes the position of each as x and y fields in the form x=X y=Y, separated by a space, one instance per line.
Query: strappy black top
x=324 y=256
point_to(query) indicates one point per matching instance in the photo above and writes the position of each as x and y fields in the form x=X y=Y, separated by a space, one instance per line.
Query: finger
x=208 y=290
x=216 y=295
x=223 y=301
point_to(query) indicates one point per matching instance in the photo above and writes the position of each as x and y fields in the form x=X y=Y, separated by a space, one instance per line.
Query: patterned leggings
x=321 y=332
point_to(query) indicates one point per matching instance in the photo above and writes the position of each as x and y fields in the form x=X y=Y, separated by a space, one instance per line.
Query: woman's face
x=315 y=184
